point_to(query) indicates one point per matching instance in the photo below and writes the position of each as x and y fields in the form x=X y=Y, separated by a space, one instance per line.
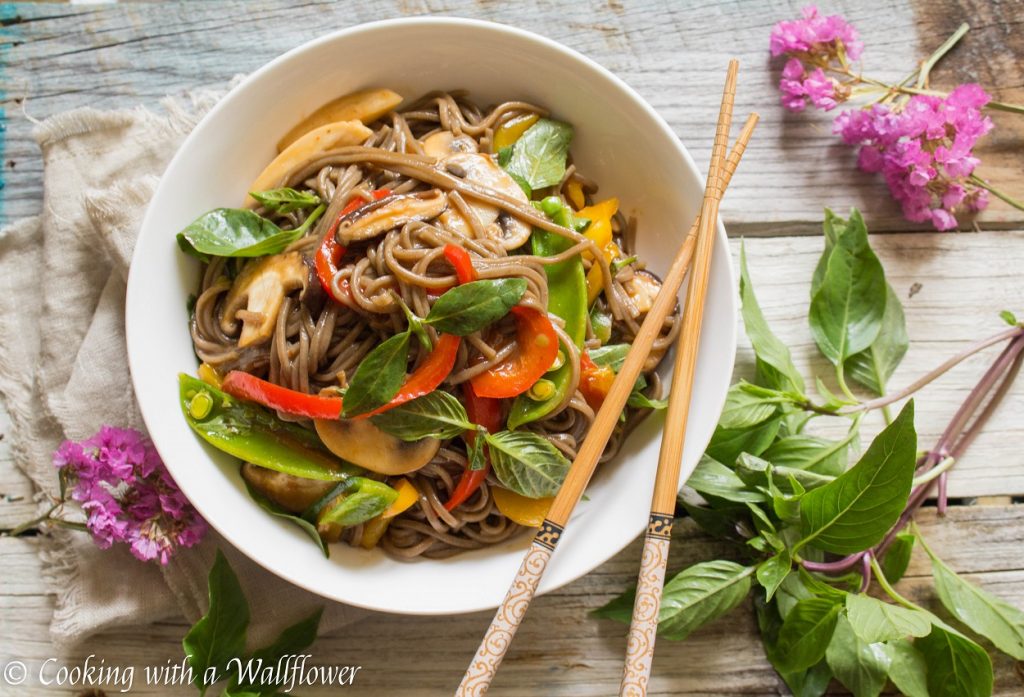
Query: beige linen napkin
x=64 y=369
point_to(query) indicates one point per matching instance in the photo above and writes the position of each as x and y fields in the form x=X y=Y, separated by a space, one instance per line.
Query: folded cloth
x=64 y=367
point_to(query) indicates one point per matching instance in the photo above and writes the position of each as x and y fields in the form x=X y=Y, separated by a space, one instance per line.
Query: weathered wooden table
x=56 y=57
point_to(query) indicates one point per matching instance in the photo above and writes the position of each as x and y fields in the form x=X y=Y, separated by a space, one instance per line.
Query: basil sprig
x=237 y=232
x=470 y=307
x=538 y=158
x=434 y=415
x=379 y=376
x=286 y=199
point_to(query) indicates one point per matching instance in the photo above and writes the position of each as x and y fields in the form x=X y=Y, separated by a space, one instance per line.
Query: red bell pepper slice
x=535 y=354
x=487 y=413
x=331 y=251
x=595 y=381
x=246 y=386
x=463 y=263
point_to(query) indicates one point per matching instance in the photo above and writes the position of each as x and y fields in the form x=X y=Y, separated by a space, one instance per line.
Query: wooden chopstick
x=651 y=578
x=484 y=666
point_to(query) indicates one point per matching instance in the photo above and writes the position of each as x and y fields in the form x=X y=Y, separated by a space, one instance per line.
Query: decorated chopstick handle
x=643 y=629
x=510 y=613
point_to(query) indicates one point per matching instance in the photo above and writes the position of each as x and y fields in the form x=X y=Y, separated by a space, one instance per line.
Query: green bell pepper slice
x=354 y=502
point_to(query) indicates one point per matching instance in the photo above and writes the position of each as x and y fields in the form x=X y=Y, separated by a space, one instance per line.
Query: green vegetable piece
x=292 y=641
x=1009 y=318
x=957 y=667
x=219 y=635
x=527 y=463
x=727 y=443
x=855 y=511
x=434 y=415
x=714 y=478
x=238 y=232
x=860 y=666
x=773 y=571
x=275 y=510
x=810 y=453
x=991 y=617
x=897 y=557
x=805 y=634
x=907 y=669
x=803 y=683
x=362 y=500
x=379 y=376
x=538 y=158
x=874 y=366
x=847 y=308
x=875 y=620
x=774 y=364
x=200 y=405
x=743 y=409
x=470 y=307
x=255 y=435
x=601 y=323
x=285 y=200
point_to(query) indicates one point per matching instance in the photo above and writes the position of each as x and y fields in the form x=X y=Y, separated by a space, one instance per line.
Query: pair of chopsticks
x=697 y=246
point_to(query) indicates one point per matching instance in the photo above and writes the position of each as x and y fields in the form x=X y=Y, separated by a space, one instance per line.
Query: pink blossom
x=128 y=495
x=815 y=35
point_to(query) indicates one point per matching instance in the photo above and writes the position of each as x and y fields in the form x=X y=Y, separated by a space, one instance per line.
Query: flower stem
x=887 y=587
x=904 y=89
x=934 y=472
x=28 y=525
x=975 y=179
x=947 y=45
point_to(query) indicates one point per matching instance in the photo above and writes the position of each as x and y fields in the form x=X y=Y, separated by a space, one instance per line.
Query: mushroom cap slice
x=360 y=442
x=483 y=170
x=444 y=143
x=256 y=295
x=388 y=213
x=291 y=493
x=364 y=105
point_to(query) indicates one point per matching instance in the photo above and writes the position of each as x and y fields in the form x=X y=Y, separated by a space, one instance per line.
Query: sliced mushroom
x=483 y=170
x=257 y=294
x=360 y=442
x=394 y=211
x=643 y=288
x=287 y=491
x=444 y=143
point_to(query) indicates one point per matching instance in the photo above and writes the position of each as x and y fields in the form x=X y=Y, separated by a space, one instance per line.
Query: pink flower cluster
x=924 y=151
x=128 y=495
x=816 y=41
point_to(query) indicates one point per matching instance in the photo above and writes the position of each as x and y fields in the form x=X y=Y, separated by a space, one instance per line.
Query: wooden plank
x=560 y=649
x=673 y=53
x=16 y=503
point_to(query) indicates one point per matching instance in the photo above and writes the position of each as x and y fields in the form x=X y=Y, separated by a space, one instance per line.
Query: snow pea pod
x=567 y=299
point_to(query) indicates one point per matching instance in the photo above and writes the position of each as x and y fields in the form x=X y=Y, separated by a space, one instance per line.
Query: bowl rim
x=135 y=278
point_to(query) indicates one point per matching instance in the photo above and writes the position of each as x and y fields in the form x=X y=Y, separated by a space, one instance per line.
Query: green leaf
x=773 y=571
x=292 y=641
x=876 y=620
x=859 y=665
x=897 y=557
x=756 y=471
x=538 y=157
x=874 y=366
x=714 y=478
x=470 y=307
x=833 y=228
x=907 y=669
x=437 y=414
x=855 y=511
x=991 y=617
x=805 y=634
x=238 y=232
x=612 y=355
x=619 y=608
x=812 y=682
x=219 y=635
x=699 y=594
x=727 y=443
x=957 y=667
x=1009 y=318
x=639 y=400
x=774 y=364
x=355 y=502
x=719 y=521
x=810 y=453
x=527 y=463
x=285 y=200
x=743 y=409
x=476 y=453
x=379 y=376
x=275 y=510
x=846 y=310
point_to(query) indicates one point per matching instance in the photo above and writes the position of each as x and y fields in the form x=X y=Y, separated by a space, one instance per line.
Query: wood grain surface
x=55 y=57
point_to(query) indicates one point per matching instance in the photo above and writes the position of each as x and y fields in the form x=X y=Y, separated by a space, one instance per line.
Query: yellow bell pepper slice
x=595 y=279
x=375 y=528
x=520 y=509
x=574 y=192
x=510 y=131
x=208 y=374
x=600 y=228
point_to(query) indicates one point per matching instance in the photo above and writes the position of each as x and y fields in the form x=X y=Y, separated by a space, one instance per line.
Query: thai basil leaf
x=773 y=571
x=743 y=409
x=859 y=665
x=285 y=200
x=774 y=363
x=719 y=520
x=907 y=669
x=727 y=443
x=379 y=376
x=846 y=310
x=639 y=400
x=361 y=500
x=714 y=478
x=1009 y=318
x=810 y=453
x=957 y=667
x=874 y=366
x=476 y=454
x=756 y=471
x=238 y=232
x=991 y=617
x=538 y=158
x=527 y=463
x=470 y=307
x=219 y=635
x=897 y=557
x=855 y=511
x=292 y=641
x=875 y=620
x=833 y=227
x=275 y=510
x=613 y=355
x=812 y=682
x=437 y=414
x=805 y=634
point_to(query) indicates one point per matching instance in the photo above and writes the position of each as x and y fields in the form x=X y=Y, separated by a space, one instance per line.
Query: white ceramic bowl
x=620 y=142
